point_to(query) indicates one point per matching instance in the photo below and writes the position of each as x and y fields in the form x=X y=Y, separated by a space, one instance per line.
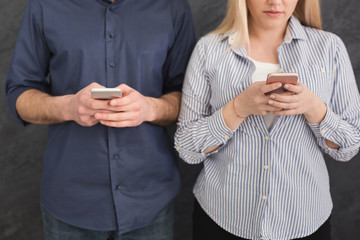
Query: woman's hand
x=254 y=101
x=299 y=100
x=251 y=101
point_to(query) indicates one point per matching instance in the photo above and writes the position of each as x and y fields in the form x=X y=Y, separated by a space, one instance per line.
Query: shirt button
x=322 y=131
x=118 y=187
x=226 y=137
x=267 y=138
x=112 y=35
x=266 y=167
x=264 y=197
x=323 y=70
x=116 y=156
x=112 y=64
x=281 y=70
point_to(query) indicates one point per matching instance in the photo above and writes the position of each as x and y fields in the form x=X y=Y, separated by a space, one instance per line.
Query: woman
x=264 y=174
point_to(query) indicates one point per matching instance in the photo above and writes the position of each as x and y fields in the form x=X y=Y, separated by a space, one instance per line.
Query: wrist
x=230 y=115
x=66 y=105
x=317 y=113
x=236 y=112
x=153 y=108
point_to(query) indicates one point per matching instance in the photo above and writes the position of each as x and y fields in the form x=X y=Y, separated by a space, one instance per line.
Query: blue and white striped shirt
x=261 y=184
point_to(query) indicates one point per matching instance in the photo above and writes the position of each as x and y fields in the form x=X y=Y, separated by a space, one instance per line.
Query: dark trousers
x=204 y=228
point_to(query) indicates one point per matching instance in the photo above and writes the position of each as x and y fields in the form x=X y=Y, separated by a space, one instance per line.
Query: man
x=109 y=169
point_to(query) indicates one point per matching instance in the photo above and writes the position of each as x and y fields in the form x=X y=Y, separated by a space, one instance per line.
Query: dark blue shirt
x=104 y=178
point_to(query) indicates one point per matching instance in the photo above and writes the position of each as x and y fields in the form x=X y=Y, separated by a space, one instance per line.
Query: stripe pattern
x=261 y=184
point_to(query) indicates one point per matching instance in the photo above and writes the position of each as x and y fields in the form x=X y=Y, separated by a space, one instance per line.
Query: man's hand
x=130 y=110
x=83 y=106
x=37 y=107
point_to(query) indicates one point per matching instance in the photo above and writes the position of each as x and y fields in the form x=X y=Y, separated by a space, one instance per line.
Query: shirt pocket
x=318 y=81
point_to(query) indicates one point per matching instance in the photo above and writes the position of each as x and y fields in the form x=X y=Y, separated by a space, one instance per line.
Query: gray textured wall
x=22 y=148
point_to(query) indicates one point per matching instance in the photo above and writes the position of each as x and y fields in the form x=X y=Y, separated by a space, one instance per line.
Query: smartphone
x=290 y=78
x=105 y=93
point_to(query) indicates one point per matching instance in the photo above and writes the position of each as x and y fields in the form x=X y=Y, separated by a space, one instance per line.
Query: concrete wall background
x=22 y=148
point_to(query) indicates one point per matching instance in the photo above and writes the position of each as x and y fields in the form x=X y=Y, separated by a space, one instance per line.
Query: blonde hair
x=236 y=18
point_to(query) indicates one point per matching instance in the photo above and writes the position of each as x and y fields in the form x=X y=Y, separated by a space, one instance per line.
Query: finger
x=282 y=105
x=124 y=100
x=132 y=107
x=298 y=88
x=117 y=102
x=119 y=124
x=125 y=89
x=287 y=112
x=270 y=87
x=284 y=98
x=286 y=93
x=128 y=98
x=119 y=116
x=92 y=121
x=272 y=109
x=87 y=121
x=100 y=104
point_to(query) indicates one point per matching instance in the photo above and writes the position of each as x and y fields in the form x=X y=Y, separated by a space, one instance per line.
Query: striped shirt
x=261 y=184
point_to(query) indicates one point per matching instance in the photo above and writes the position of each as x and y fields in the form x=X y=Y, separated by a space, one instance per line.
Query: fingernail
x=278 y=85
x=113 y=103
x=286 y=86
x=272 y=96
x=271 y=102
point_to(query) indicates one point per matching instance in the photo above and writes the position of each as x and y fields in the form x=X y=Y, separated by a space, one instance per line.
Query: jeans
x=161 y=228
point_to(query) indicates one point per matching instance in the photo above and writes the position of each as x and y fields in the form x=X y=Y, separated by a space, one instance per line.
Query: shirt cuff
x=326 y=128
x=218 y=129
x=11 y=99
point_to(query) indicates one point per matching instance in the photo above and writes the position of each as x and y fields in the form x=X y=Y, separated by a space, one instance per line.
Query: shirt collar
x=294 y=30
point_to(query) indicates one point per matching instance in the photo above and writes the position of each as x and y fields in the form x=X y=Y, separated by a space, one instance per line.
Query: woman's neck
x=265 y=42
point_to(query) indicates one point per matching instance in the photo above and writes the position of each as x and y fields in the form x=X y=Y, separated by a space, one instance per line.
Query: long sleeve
x=342 y=121
x=200 y=125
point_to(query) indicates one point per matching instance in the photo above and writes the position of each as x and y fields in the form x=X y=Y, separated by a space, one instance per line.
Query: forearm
x=317 y=115
x=198 y=134
x=37 y=107
x=164 y=111
x=231 y=119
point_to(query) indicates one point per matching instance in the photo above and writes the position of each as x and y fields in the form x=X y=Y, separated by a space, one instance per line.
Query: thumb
x=125 y=89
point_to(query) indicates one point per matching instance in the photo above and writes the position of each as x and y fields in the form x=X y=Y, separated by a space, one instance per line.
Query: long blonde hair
x=236 y=18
